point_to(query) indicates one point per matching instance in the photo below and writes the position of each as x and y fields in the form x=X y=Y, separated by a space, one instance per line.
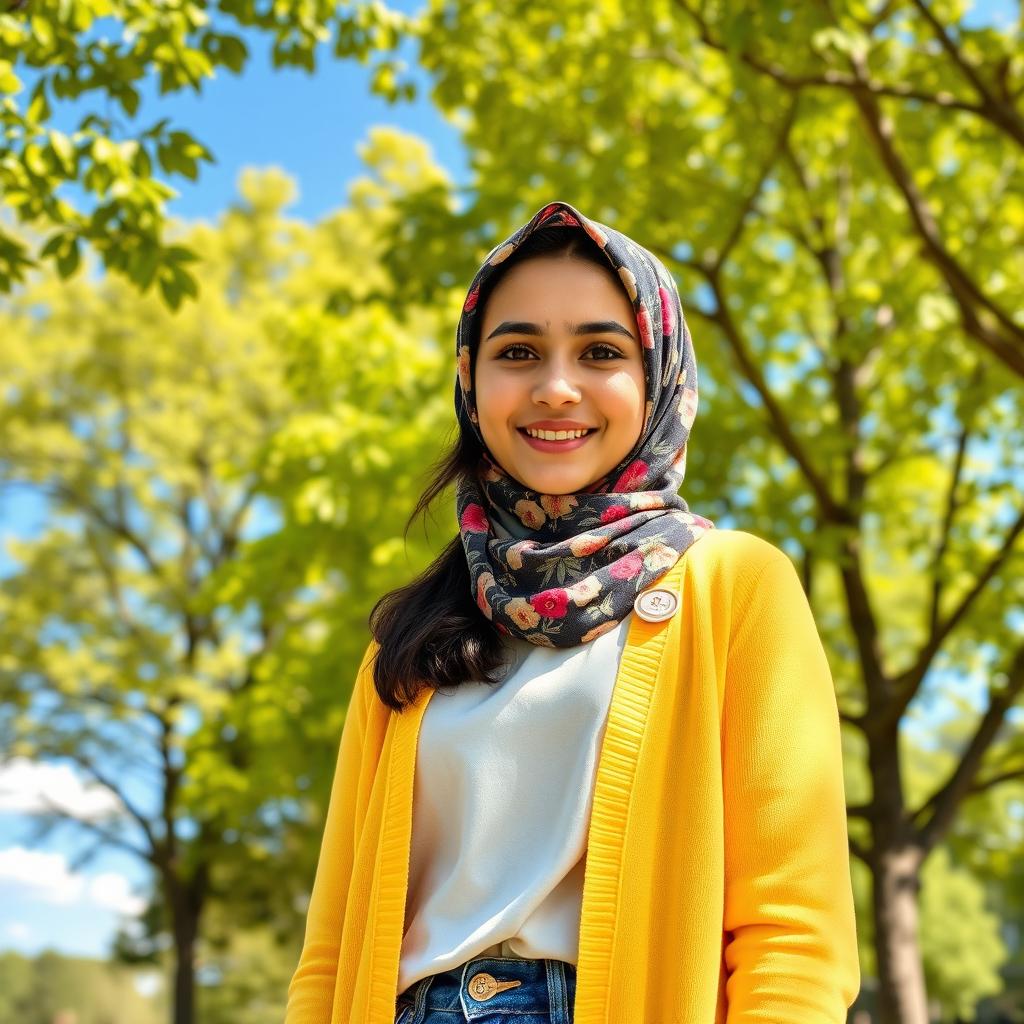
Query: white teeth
x=555 y=435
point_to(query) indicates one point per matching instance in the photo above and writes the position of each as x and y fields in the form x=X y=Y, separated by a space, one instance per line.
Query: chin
x=557 y=483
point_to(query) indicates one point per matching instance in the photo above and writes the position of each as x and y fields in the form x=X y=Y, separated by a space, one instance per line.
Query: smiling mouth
x=567 y=444
x=525 y=433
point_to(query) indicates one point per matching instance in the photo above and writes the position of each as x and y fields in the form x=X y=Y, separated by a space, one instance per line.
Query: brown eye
x=601 y=347
x=504 y=352
x=607 y=348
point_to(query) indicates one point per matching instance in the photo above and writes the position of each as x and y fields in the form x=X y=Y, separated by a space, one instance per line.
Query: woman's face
x=534 y=370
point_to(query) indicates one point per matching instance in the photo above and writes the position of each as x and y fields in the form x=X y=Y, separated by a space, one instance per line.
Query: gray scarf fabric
x=561 y=569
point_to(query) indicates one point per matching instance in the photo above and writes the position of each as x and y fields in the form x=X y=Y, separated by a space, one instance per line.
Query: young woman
x=591 y=769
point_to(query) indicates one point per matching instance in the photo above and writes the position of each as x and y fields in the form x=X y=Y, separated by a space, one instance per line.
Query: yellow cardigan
x=717 y=886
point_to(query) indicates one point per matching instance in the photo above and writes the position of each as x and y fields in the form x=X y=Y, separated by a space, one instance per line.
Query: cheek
x=625 y=394
x=495 y=400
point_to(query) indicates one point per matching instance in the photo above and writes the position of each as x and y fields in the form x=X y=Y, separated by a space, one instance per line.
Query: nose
x=556 y=387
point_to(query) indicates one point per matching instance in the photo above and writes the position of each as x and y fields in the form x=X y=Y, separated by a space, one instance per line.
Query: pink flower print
x=484 y=584
x=643 y=321
x=667 y=310
x=584 y=591
x=471 y=298
x=629 y=281
x=522 y=613
x=474 y=519
x=530 y=514
x=465 y=379
x=633 y=475
x=514 y=555
x=556 y=505
x=551 y=603
x=586 y=544
x=627 y=567
x=688 y=407
x=660 y=556
x=643 y=500
x=595 y=233
x=613 y=513
x=592 y=634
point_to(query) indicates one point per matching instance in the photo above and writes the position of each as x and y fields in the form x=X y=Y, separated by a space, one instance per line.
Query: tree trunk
x=186 y=900
x=895 y=861
x=186 y=927
x=902 y=998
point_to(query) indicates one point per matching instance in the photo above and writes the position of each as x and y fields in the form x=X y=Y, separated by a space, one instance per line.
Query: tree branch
x=733 y=236
x=907 y=682
x=1006 y=344
x=1002 y=115
x=107 y=837
x=1001 y=335
x=947 y=524
x=135 y=813
x=942 y=805
x=858 y=851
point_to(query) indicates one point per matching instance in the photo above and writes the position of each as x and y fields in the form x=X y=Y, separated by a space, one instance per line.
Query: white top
x=502 y=795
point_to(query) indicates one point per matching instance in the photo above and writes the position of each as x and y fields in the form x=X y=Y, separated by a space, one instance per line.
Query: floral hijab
x=561 y=569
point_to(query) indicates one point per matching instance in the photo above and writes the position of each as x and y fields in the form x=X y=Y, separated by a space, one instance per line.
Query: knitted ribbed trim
x=638 y=671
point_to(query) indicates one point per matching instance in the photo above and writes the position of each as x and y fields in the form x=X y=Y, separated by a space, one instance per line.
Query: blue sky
x=310 y=126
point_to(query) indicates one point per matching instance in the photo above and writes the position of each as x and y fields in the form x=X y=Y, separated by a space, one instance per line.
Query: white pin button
x=656 y=605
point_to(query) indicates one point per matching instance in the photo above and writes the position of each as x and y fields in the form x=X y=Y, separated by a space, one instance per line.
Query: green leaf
x=129 y=98
x=35 y=160
x=67 y=259
x=233 y=52
x=54 y=244
x=39 y=109
x=64 y=150
x=9 y=81
x=180 y=254
x=104 y=151
x=170 y=291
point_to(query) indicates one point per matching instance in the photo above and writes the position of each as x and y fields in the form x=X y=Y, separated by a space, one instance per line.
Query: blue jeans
x=492 y=990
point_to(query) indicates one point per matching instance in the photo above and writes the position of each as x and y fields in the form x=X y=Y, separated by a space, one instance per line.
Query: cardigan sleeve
x=311 y=990
x=790 y=944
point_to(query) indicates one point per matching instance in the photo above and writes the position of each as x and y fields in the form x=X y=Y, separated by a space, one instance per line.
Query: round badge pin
x=656 y=605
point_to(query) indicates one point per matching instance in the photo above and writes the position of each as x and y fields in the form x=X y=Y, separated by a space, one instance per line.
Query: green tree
x=246 y=975
x=227 y=487
x=49 y=53
x=51 y=988
x=964 y=950
x=15 y=982
x=838 y=189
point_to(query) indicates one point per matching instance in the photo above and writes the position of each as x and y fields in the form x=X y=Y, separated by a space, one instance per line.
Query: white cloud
x=46 y=874
x=47 y=877
x=112 y=891
x=33 y=787
x=18 y=930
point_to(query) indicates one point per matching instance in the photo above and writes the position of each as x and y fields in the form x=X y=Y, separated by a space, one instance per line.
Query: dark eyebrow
x=591 y=327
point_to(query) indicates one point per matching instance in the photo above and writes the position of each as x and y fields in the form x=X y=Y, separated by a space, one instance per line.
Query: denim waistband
x=493 y=988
